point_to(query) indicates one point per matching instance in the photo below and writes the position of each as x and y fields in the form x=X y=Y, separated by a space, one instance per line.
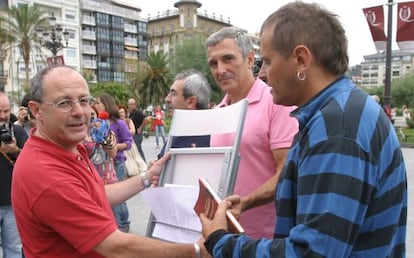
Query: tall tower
x=188 y=13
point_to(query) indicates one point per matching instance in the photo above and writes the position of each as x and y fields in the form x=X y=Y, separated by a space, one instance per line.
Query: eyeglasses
x=66 y=105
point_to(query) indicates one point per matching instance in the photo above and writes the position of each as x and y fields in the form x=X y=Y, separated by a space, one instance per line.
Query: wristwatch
x=144 y=178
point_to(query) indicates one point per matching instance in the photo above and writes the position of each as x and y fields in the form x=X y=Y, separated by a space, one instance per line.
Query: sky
x=250 y=15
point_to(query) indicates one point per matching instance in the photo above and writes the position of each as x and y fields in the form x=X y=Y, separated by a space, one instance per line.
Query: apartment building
x=373 y=67
x=113 y=39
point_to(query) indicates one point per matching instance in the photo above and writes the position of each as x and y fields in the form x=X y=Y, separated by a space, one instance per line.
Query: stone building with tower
x=185 y=21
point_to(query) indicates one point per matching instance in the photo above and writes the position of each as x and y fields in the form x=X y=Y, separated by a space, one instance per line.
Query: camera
x=5 y=134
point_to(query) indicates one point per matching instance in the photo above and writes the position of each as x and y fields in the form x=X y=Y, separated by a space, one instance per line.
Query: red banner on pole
x=405 y=26
x=55 y=61
x=375 y=19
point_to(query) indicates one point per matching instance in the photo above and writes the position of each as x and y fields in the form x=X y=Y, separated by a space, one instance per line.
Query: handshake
x=101 y=132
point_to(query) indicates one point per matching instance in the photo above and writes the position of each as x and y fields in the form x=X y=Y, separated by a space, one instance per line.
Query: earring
x=301 y=76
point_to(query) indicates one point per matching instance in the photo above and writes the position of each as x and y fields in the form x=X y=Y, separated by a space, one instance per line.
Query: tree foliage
x=135 y=81
x=118 y=91
x=402 y=91
x=19 y=24
x=191 y=53
x=157 y=80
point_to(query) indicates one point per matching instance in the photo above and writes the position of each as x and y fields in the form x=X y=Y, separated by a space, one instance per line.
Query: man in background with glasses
x=62 y=207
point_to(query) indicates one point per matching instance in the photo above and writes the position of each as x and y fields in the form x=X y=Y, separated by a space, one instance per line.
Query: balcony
x=131 y=42
x=88 y=49
x=90 y=20
x=3 y=77
x=130 y=28
x=91 y=64
x=87 y=34
x=104 y=65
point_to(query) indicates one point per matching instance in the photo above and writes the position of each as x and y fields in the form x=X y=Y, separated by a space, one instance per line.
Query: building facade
x=109 y=39
x=172 y=27
x=66 y=13
x=113 y=40
x=373 y=68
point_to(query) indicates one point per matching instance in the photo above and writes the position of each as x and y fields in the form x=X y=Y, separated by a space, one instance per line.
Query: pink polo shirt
x=267 y=127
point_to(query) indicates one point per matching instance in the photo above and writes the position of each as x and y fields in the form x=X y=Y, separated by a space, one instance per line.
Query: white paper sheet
x=173 y=209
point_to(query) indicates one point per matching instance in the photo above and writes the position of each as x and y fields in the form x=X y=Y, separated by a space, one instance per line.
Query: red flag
x=375 y=19
x=405 y=26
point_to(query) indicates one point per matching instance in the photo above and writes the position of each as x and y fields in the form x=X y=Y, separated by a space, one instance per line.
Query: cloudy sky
x=250 y=14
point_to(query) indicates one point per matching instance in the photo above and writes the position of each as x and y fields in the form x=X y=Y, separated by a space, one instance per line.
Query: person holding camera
x=12 y=139
x=25 y=119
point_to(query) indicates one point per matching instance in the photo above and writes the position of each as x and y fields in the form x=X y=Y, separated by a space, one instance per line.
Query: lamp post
x=388 y=58
x=18 y=81
x=52 y=38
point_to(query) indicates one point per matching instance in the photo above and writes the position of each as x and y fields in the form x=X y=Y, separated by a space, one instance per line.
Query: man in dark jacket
x=12 y=139
x=138 y=117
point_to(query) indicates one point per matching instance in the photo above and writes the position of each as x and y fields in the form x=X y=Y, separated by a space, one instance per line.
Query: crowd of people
x=315 y=179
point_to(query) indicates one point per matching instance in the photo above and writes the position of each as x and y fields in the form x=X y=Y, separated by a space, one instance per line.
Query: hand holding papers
x=173 y=207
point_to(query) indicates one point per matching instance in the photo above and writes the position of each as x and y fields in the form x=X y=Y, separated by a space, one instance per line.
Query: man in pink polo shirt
x=268 y=130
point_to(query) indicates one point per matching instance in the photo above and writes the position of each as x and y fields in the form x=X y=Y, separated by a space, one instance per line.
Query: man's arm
x=266 y=192
x=123 y=190
x=119 y=244
x=145 y=121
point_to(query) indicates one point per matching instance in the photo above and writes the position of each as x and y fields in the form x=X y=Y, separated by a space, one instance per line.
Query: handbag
x=134 y=163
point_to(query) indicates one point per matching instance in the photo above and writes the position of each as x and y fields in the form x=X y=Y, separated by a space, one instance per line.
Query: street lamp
x=52 y=38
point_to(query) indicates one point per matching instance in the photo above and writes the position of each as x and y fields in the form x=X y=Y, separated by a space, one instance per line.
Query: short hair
x=299 y=23
x=37 y=83
x=242 y=40
x=195 y=84
x=110 y=106
x=25 y=100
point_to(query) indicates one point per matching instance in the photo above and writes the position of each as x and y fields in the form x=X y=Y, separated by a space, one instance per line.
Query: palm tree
x=19 y=23
x=156 y=83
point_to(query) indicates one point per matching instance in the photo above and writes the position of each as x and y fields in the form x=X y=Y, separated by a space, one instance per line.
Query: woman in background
x=134 y=163
x=104 y=102
x=123 y=114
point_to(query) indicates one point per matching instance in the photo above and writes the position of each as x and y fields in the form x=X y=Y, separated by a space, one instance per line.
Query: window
x=71 y=52
x=118 y=35
x=102 y=19
x=142 y=27
x=104 y=75
x=103 y=47
x=117 y=22
x=70 y=15
x=103 y=33
x=72 y=33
